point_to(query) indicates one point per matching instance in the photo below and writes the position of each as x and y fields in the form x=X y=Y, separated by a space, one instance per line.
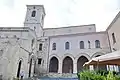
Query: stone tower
x=35 y=18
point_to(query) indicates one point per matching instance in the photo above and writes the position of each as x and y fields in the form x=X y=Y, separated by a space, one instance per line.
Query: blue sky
x=60 y=13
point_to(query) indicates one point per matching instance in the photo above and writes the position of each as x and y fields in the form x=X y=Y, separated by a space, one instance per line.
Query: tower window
x=34 y=7
x=97 y=44
x=39 y=60
x=33 y=13
x=81 y=44
x=54 y=46
x=67 y=45
x=40 y=47
x=113 y=37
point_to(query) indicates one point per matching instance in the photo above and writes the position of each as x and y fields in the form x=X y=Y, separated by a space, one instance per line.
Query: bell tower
x=35 y=18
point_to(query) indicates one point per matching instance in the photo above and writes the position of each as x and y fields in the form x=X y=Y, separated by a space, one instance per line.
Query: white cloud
x=61 y=13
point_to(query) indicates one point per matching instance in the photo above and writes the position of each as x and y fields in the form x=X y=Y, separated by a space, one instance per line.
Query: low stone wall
x=61 y=75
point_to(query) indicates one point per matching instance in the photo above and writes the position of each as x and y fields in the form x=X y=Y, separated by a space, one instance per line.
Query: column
x=60 y=67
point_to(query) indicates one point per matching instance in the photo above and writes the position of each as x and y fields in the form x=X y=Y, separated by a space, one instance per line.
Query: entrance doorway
x=81 y=61
x=67 y=65
x=53 y=66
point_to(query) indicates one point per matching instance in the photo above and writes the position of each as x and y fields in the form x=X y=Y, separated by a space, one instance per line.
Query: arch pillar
x=75 y=66
x=60 y=67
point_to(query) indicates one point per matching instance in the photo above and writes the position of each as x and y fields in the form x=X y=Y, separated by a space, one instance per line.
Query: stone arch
x=97 y=54
x=102 y=67
x=80 y=62
x=20 y=59
x=67 y=66
x=54 y=55
x=68 y=54
x=53 y=66
x=82 y=54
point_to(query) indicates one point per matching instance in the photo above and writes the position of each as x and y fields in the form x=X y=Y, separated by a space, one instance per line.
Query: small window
x=33 y=13
x=67 y=45
x=113 y=37
x=32 y=42
x=40 y=47
x=14 y=36
x=81 y=44
x=34 y=7
x=97 y=44
x=39 y=60
x=34 y=28
x=54 y=46
x=89 y=45
x=42 y=17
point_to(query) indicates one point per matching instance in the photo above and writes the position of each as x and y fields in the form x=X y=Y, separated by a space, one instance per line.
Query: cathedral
x=36 y=50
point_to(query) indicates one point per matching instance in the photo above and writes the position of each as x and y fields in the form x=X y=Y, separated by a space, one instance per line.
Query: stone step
x=58 y=75
x=58 y=79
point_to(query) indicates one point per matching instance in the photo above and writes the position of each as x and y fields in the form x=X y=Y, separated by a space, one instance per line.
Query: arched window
x=97 y=44
x=54 y=46
x=81 y=44
x=67 y=45
x=40 y=47
x=32 y=42
x=33 y=13
x=113 y=37
x=89 y=45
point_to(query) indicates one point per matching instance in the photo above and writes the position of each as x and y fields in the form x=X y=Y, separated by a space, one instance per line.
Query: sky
x=61 y=13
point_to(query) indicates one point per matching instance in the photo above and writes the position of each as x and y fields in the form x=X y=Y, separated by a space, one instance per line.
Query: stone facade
x=114 y=28
x=31 y=48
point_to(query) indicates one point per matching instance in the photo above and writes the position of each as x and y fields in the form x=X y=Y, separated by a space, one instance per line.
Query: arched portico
x=80 y=62
x=97 y=54
x=67 y=66
x=80 y=59
x=53 y=66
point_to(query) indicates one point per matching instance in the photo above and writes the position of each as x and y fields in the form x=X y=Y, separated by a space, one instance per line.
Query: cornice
x=14 y=29
x=70 y=27
x=79 y=34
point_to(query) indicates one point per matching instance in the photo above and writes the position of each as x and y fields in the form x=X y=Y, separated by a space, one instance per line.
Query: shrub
x=117 y=77
x=110 y=76
x=102 y=72
x=98 y=75
x=16 y=78
x=91 y=75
